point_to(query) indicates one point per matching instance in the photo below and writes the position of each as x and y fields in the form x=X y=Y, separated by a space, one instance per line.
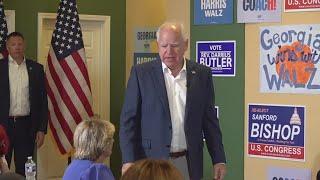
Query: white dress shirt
x=176 y=91
x=19 y=88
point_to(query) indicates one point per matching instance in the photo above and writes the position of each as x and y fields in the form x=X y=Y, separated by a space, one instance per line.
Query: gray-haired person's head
x=92 y=138
x=175 y=25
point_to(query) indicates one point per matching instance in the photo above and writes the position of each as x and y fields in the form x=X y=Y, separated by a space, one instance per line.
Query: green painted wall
x=26 y=22
x=229 y=93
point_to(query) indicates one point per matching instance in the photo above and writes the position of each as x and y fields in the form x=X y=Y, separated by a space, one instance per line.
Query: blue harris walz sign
x=220 y=56
x=213 y=12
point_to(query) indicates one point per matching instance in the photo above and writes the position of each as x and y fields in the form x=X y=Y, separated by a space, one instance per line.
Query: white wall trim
x=11 y=20
x=51 y=16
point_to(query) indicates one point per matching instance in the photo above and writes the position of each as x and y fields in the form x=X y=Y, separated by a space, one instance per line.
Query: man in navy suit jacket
x=169 y=106
x=23 y=102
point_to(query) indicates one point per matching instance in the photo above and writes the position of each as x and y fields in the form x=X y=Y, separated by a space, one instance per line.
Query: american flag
x=3 y=32
x=68 y=86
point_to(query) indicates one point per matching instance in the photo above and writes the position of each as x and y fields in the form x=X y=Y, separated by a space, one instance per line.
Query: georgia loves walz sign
x=276 y=131
x=289 y=59
x=220 y=56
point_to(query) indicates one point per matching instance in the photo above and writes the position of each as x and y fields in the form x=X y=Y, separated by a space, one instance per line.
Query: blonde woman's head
x=93 y=138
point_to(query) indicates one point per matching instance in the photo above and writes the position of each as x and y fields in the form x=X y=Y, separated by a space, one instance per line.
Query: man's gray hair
x=173 y=25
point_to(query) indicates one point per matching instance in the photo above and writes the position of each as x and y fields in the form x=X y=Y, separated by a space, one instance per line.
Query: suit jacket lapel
x=30 y=74
x=160 y=86
x=191 y=76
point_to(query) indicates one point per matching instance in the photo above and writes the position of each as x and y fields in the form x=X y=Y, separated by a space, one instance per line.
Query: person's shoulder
x=34 y=64
x=99 y=166
x=76 y=168
x=3 y=61
x=193 y=64
x=97 y=170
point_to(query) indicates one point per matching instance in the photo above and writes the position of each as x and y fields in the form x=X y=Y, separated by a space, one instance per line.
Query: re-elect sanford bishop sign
x=276 y=131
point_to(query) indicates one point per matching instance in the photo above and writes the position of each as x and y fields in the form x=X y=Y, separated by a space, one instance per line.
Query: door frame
x=105 y=46
x=10 y=18
x=104 y=22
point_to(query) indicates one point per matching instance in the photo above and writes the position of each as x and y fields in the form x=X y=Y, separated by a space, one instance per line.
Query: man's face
x=16 y=47
x=172 y=48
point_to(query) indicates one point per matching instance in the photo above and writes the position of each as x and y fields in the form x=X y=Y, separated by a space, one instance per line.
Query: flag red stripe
x=82 y=66
x=63 y=93
x=65 y=127
x=56 y=137
x=76 y=86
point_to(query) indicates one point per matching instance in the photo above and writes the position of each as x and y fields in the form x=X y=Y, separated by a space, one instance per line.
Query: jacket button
x=167 y=146
x=170 y=127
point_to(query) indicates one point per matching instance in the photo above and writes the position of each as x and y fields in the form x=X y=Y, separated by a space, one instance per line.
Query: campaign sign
x=220 y=56
x=213 y=12
x=301 y=5
x=280 y=173
x=276 y=131
x=139 y=58
x=253 y=11
x=145 y=39
x=290 y=59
